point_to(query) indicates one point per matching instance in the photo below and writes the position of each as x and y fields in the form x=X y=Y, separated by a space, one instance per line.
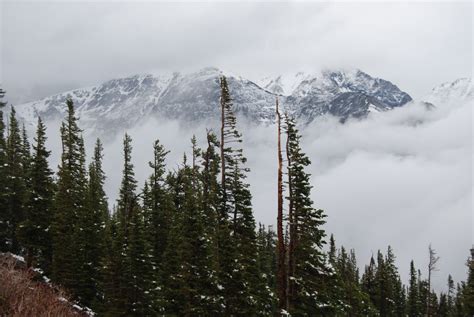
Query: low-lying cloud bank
x=402 y=178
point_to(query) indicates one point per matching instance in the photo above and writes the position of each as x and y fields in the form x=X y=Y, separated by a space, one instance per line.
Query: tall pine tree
x=4 y=217
x=16 y=174
x=308 y=276
x=70 y=207
x=36 y=229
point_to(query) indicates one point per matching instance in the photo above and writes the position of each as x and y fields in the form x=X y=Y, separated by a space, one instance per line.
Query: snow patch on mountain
x=283 y=84
x=458 y=91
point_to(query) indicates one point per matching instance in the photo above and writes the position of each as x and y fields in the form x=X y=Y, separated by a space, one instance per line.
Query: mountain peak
x=458 y=91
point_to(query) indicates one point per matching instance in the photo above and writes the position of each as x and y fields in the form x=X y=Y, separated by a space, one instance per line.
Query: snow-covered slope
x=123 y=103
x=459 y=91
x=284 y=84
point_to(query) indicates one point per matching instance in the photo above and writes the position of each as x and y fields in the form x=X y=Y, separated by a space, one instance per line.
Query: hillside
x=25 y=292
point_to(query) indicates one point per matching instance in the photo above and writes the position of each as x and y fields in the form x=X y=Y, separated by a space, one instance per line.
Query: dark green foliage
x=190 y=279
x=242 y=290
x=383 y=285
x=368 y=282
x=157 y=207
x=92 y=231
x=35 y=231
x=266 y=242
x=128 y=269
x=356 y=301
x=413 y=299
x=450 y=296
x=5 y=225
x=5 y=217
x=467 y=293
x=69 y=207
x=308 y=281
x=17 y=171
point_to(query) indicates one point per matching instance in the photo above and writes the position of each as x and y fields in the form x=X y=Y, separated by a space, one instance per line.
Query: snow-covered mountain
x=124 y=103
x=459 y=91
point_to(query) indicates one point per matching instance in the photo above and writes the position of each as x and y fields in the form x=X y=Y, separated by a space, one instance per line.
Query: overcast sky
x=48 y=47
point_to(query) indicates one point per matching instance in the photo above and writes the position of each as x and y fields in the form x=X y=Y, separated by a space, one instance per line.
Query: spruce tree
x=157 y=203
x=16 y=191
x=129 y=289
x=450 y=296
x=35 y=231
x=468 y=292
x=243 y=294
x=91 y=232
x=70 y=206
x=368 y=281
x=266 y=242
x=442 y=310
x=4 y=216
x=413 y=300
x=308 y=294
x=195 y=278
x=218 y=228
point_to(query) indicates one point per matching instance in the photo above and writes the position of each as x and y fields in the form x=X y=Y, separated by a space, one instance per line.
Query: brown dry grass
x=21 y=295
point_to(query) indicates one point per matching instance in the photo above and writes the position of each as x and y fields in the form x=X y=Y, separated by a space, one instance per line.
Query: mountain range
x=194 y=97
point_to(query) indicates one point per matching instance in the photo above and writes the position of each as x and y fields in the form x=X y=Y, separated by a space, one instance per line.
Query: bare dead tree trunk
x=281 y=270
x=431 y=268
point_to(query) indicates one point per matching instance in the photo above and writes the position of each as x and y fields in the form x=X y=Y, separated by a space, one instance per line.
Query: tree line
x=185 y=243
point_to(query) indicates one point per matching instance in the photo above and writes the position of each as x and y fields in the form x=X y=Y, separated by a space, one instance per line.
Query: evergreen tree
x=413 y=300
x=216 y=218
x=133 y=283
x=192 y=286
x=468 y=291
x=308 y=294
x=368 y=281
x=400 y=298
x=393 y=288
x=4 y=215
x=243 y=293
x=114 y=302
x=157 y=203
x=450 y=296
x=458 y=309
x=16 y=186
x=35 y=231
x=356 y=301
x=332 y=255
x=91 y=235
x=266 y=242
x=70 y=208
x=423 y=293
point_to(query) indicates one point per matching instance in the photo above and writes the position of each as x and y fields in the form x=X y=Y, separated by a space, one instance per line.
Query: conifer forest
x=186 y=243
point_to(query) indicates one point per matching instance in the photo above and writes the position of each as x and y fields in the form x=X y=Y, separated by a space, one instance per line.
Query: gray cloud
x=51 y=46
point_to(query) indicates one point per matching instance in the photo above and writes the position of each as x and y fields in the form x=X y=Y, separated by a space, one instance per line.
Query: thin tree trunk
x=29 y=257
x=428 y=296
x=292 y=240
x=281 y=275
x=222 y=153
